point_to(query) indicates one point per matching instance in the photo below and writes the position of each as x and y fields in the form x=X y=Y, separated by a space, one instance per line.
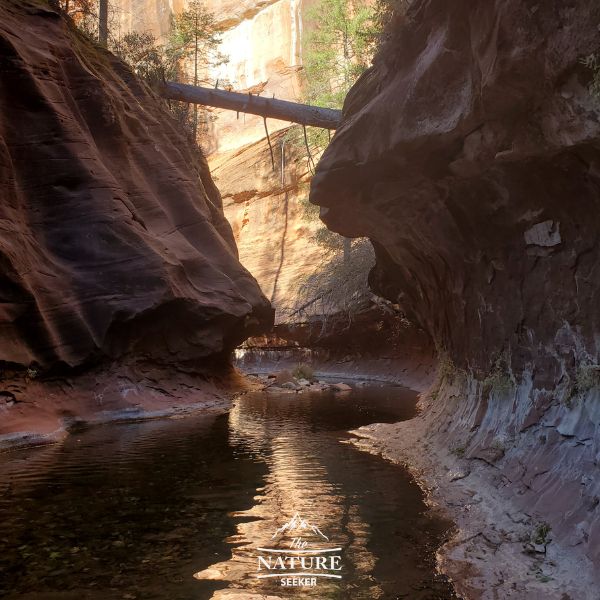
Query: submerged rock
x=290 y=385
x=341 y=387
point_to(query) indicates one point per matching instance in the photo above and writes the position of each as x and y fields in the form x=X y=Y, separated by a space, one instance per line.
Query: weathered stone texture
x=112 y=235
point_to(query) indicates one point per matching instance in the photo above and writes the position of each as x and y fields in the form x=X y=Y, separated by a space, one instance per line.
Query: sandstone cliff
x=469 y=155
x=143 y=15
x=266 y=211
x=113 y=242
x=262 y=40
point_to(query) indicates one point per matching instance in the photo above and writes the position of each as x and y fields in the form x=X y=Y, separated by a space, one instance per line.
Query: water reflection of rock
x=297 y=481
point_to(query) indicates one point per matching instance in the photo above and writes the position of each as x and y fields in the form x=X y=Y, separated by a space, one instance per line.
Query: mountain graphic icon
x=298 y=525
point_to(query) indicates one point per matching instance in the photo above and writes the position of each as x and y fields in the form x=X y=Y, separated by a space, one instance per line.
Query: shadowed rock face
x=112 y=236
x=468 y=156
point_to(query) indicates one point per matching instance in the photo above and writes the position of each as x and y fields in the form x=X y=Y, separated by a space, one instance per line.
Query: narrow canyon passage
x=299 y=299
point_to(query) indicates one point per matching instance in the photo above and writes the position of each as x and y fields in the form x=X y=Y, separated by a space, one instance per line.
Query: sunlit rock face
x=469 y=155
x=263 y=201
x=266 y=211
x=262 y=41
x=143 y=15
x=113 y=237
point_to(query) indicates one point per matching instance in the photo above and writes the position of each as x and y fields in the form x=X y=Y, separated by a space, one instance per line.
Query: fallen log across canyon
x=304 y=114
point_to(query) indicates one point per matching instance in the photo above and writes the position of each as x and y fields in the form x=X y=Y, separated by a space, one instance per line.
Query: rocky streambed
x=285 y=381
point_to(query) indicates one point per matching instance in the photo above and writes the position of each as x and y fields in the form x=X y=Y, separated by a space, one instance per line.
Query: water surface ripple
x=176 y=509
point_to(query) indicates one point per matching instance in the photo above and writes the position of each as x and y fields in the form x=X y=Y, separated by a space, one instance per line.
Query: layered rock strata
x=469 y=155
x=262 y=43
x=113 y=242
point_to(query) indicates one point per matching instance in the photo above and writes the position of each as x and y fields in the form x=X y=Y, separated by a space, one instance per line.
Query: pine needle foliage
x=341 y=38
x=191 y=48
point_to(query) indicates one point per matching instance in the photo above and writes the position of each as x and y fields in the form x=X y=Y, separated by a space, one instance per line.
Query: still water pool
x=178 y=509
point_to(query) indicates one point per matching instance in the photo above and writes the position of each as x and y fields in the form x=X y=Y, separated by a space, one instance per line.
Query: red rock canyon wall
x=112 y=235
x=469 y=155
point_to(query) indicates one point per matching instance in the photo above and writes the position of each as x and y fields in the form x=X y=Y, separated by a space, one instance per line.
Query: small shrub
x=303 y=371
x=500 y=379
x=459 y=451
x=499 y=445
x=587 y=377
x=569 y=394
x=499 y=382
x=446 y=370
x=541 y=533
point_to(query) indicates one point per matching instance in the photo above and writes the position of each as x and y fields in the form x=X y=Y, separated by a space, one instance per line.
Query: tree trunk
x=284 y=110
x=196 y=77
x=103 y=22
